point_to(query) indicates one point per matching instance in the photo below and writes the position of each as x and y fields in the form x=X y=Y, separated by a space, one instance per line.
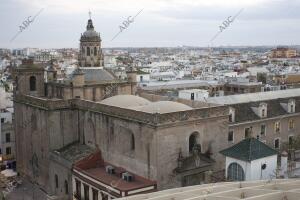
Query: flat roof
x=174 y=84
x=274 y=189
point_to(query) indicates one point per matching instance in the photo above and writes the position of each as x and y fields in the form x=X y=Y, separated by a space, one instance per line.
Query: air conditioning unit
x=110 y=169
x=127 y=177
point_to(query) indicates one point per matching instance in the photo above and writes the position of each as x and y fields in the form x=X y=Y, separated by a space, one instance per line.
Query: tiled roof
x=244 y=112
x=249 y=149
x=94 y=74
x=254 y=97
x=95 y=167
x=97 y=75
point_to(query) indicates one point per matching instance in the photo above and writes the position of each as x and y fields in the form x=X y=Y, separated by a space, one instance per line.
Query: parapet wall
x=129 y=114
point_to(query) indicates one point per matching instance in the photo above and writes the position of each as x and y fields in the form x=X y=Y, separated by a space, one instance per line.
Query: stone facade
x=158 y=138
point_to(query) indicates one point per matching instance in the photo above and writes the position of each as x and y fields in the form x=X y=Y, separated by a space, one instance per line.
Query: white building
x=249 y=160
x=142 y=76
x=193 y=94
x=7 y=136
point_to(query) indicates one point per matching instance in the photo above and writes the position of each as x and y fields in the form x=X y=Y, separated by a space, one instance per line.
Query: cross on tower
x=90 y=14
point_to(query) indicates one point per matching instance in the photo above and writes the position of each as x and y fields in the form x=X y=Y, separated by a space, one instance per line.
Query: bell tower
x=29 y=78
x=90 y=53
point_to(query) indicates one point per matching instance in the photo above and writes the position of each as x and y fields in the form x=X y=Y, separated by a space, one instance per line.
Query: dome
x=90 y=33
x=163 y=107
x=125 y=101
x=140 y=104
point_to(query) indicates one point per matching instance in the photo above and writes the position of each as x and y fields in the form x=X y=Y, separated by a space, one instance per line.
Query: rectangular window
x=276 y=143
x=8 y=151
x=291 y=124
x=192 y=96
x=263 y=113
x=247 y=132
x=277 y=127
x=56 y=180
x=2 y=120
x=78 y=188
x=263 y=129
x=291 y=139
x=86 y=192
x=230 y=136
x=95 y=194
x=230 y=117
x=7 y=137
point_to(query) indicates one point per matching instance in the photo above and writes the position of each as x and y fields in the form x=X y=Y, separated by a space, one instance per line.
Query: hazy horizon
x=162 y=23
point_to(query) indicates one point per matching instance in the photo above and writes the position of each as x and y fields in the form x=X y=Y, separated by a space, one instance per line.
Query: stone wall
x=41 y=126
x=157 y=137
x=94 y=92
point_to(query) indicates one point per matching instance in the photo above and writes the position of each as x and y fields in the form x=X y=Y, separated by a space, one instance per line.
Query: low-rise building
x=193 y=94
x=93 y=178
x=272 y=117
x=7 y=138
x=250 y=159
x=283 y=52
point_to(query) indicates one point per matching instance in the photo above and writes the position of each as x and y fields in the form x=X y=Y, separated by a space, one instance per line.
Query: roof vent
x=110 y=169
x=127 y=177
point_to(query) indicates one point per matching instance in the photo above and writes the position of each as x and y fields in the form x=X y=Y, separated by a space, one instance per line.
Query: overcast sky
x=162 y=23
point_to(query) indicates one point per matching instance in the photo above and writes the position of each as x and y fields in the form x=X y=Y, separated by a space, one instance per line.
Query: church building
x=89 y=136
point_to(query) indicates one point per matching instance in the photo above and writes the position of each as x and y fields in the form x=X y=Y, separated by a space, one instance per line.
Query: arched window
x=95 y=51
x=56 y=180
x=193 y=141
x=32 y=83
x=88 y=52
x=235 y=172
x=66 y=187
x=132 y=142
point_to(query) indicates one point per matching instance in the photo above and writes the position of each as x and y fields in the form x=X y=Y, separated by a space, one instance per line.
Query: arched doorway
x=235 y=172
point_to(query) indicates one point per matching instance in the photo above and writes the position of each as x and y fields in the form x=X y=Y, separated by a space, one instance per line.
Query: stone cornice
x=153 y=119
